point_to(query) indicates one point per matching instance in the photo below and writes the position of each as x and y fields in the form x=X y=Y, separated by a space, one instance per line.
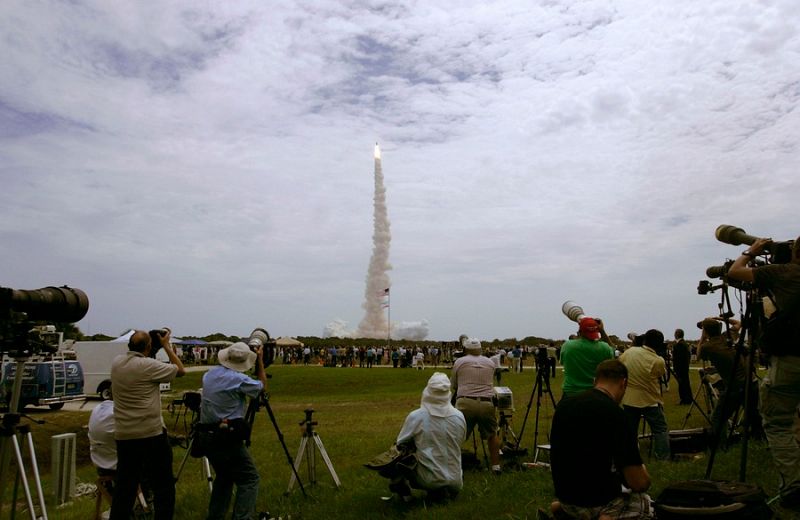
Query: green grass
x=360 y=412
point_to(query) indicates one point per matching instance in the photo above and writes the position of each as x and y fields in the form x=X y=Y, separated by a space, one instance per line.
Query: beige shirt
x=645 y=367
x=473 y=376
x=135 y=382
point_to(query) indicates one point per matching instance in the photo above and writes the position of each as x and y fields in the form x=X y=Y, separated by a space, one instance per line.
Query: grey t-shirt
x=135 y=381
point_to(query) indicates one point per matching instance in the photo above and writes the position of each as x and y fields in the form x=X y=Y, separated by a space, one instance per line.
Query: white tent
x=125 y=337
x=288 y=342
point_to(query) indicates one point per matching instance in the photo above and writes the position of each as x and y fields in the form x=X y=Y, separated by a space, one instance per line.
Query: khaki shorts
x=480 y=413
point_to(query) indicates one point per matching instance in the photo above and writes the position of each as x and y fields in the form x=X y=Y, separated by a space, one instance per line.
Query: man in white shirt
x=437 y=430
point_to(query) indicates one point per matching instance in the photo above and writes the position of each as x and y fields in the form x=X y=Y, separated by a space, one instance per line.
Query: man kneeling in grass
x=437 y=430
x=594 y=453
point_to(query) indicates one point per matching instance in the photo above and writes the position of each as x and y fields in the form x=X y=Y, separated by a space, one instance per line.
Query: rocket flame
x=377 y=151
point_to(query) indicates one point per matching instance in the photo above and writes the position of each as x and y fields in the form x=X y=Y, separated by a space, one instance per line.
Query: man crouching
x=594 y=453
x=437 y=430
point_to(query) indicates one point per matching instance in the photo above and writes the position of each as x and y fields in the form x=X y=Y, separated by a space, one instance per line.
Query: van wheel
x=56 y=406
x=105 y=391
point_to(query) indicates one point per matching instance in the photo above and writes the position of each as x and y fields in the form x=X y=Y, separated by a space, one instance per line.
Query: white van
x=95 y=358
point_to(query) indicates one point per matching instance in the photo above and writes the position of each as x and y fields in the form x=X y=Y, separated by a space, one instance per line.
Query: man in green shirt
x=580 y=356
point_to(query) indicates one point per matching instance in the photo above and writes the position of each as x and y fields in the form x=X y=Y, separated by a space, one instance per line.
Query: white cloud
x=210 y=167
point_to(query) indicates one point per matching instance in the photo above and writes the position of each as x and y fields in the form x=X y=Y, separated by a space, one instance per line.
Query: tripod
x=541 y=386
x=206 y=467
x=11 y=432
x=256 y=403
x=307 y=449
x=191 y=401
x=710 y=395
x=750 y=322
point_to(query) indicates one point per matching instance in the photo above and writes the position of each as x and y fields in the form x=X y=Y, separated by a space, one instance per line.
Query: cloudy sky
x=209 y=165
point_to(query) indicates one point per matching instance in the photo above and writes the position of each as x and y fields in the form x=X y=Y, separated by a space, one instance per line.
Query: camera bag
x=712 y=499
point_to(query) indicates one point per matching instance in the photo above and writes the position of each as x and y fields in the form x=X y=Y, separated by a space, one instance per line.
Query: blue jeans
x=232 y=465
x=654 y=415
x=147 y=459
x=780 y=396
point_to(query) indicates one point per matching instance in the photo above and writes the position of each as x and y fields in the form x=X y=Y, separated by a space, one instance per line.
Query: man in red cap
x=580 y=356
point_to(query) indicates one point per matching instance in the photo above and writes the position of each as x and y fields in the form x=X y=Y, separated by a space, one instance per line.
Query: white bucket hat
x=436 y=396
x=237 y=357
x=472 y=346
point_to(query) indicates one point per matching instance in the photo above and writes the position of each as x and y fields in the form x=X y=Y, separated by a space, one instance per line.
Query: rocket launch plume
x=376 y=295
x=374 y=324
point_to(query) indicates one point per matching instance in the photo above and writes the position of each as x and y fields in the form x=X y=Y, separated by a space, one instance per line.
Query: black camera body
x=156 y=335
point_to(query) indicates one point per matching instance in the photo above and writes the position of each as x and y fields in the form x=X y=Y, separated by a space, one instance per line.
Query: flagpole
x=388 y=320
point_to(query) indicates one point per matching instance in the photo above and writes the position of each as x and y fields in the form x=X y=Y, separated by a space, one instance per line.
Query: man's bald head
x=139 y=342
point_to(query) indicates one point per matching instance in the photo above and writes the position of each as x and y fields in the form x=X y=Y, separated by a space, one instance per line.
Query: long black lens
x=717 y=271
x=60 y=304
x=733 y=235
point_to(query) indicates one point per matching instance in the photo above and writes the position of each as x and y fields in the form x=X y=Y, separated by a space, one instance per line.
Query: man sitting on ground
x=437 y=430
x=594 y=452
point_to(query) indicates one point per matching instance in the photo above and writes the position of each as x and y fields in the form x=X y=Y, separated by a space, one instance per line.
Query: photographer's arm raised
x=261 y=374
x=173 y=358
x=739 y=269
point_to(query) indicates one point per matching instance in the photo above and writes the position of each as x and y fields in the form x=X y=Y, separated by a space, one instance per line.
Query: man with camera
x=643 y=398
x=471 y=380
x=580 y=356
x=594 y=452
x=223 y=429
x=780 y=389
x=143 y=450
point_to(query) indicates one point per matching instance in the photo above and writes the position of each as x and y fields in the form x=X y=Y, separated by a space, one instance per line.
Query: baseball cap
x=589 y=329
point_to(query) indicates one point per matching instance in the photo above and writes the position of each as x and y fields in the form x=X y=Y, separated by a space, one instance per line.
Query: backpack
x=712 y=499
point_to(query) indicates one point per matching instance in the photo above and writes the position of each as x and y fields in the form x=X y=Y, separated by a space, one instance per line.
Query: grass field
x=360 y=412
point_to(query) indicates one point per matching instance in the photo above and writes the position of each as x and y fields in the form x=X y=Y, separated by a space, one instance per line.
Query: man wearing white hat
x=437 y=430
x=473 y=375
x=224 y=430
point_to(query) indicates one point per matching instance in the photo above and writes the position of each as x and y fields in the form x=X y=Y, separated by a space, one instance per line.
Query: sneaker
x=497 y=470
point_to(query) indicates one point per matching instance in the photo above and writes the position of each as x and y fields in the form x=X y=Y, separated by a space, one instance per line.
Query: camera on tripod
x=260 y=338
x=20 y=310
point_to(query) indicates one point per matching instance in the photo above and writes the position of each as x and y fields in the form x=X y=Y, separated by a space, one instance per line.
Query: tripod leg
x=311 y=461
x=298 y=460
x=327 y=460
x=37 y=478
x=183 y=461
x=207 y=474
x=23 y=476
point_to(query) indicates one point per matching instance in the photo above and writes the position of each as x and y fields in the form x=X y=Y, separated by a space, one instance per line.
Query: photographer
x=643 y=397
x=143 y=450
x=580 y=356
x=780 y=389
x=471 y=380
x=713 y=347
x=223 y=429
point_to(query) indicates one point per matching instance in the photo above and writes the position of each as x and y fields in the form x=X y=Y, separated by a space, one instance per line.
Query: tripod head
x=308 y=422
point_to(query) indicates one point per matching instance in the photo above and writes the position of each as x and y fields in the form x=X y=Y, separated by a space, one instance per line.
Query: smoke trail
x=374 y=323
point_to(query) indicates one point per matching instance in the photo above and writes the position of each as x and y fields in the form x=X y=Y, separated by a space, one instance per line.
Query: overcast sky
x=209 y=165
